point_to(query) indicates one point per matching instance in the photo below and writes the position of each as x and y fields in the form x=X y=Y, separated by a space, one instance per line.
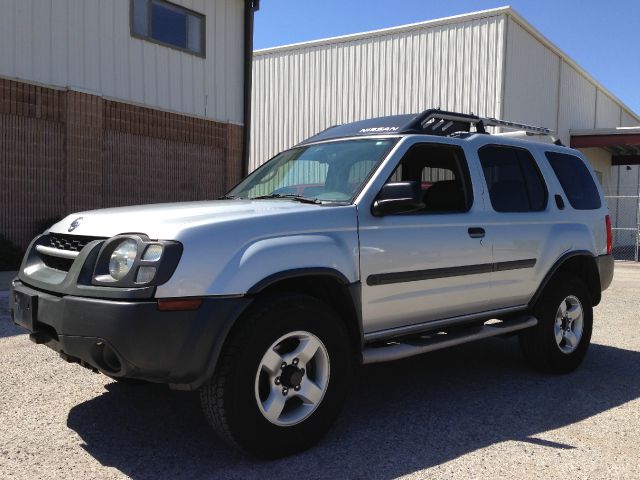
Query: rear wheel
x=560 y=341
x=282 y=379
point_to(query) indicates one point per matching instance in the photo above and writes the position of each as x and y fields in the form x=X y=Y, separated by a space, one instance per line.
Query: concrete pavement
x=5 y=279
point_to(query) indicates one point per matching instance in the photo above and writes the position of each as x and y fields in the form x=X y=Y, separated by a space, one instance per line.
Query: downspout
x=251 y=6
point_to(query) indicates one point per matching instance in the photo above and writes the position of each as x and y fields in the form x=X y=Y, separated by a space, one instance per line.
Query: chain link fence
x=625 y=221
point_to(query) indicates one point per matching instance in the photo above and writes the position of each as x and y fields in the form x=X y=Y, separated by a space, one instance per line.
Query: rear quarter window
x=576 y=181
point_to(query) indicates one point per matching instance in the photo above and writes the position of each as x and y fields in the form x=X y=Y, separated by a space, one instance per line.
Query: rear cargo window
x=576 y=181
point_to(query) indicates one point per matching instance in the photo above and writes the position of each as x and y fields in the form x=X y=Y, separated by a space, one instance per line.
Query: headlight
x=122 y=259
x=135 y=261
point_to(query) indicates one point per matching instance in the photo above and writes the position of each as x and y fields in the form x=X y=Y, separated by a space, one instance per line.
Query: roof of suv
x=430 y=122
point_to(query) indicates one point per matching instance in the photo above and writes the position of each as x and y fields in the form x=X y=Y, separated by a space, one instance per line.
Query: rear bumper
x=133 y=339
x=605 y=269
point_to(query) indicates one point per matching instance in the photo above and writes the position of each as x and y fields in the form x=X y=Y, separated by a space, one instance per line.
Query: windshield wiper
x=297 y=198
x=229 y=197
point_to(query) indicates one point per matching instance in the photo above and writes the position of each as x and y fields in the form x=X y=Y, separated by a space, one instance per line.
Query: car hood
x=167 y=220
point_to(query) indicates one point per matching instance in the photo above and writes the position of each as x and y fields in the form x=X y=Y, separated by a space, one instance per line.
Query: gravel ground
x=475 y=411
x=5 y=279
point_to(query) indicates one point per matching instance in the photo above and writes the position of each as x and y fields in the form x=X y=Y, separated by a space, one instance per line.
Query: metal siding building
x=93 y=116
x=491 y=63
x=86 y=45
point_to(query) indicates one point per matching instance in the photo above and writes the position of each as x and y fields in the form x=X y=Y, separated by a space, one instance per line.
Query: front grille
x=57 y=263
x=70 y=243
x=73 y=243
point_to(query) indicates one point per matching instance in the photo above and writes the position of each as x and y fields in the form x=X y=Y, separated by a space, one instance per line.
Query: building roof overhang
x=623 y=143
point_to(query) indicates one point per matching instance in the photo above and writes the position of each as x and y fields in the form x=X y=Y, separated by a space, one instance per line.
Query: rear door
x=519 y=221
x=431 y=264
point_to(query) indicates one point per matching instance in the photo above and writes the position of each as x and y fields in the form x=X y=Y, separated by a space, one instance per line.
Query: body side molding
x=434 y=273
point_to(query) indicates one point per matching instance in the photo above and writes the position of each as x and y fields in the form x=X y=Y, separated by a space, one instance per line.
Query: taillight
x=607 y=220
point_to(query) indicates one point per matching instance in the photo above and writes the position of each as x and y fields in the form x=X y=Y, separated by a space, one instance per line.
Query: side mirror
x=398 y=197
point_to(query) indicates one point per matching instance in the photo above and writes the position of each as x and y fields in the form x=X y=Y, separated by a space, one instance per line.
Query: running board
x=436 y=341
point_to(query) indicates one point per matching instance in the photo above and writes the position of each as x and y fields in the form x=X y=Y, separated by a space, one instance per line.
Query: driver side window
x=443 y=175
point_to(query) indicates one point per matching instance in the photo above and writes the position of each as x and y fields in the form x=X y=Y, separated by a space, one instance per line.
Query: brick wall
x=64 y=151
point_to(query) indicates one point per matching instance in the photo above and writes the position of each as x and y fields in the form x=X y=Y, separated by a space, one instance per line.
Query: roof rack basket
x=440 y=122
x=430 y=122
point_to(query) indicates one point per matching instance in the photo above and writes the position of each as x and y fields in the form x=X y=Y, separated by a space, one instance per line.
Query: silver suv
x=368 y=242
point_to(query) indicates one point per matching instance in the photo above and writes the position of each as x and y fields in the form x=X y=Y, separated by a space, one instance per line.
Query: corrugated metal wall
x=577 y=102
x=607 y=111
x=627 y=120
x=531 y=80
x=87 y=44
x=543 y=87
x=298 y=91
x=490 y=63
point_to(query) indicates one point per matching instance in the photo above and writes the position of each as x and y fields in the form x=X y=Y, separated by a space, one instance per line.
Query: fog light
x=145 y=274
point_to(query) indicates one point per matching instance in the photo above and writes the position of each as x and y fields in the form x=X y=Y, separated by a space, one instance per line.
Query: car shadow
x=402 y=417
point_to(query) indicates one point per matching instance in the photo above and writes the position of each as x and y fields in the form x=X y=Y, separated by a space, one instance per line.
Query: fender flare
x=353 y=290
x=296 y=273
x=554 y=269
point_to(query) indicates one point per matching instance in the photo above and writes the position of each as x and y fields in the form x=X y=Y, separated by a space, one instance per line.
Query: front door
x=433 y=263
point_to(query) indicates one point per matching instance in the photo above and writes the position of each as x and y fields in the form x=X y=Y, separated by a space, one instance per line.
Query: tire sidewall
x=559 y=288
x=252 y=431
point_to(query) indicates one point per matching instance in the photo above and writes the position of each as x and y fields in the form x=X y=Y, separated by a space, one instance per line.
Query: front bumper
x=131 y=339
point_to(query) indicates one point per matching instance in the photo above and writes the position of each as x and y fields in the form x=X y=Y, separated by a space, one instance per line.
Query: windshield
x=332 y=172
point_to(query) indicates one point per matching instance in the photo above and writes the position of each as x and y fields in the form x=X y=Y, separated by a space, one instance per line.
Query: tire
x=549 y=346
x=242 y=387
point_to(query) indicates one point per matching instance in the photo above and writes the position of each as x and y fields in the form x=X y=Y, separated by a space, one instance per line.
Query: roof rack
x=440 y=122
x=430 y=122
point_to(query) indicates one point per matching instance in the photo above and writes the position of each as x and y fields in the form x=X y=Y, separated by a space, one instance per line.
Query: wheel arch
x=581 y=263
x=327 y=285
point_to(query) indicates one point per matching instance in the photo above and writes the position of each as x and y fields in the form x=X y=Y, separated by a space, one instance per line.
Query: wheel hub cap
x=292 y=378
x=569 y=324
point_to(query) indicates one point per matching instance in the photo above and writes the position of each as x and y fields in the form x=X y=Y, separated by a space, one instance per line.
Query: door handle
x=476 y=232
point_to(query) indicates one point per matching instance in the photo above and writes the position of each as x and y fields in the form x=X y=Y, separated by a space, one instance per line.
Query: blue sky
x=602 y=36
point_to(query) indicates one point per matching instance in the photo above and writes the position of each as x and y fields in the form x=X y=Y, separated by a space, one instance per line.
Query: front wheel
x=282 y=378
x=559 y=342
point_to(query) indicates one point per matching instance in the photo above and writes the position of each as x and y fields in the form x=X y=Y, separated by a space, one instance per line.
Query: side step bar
x=438 y=340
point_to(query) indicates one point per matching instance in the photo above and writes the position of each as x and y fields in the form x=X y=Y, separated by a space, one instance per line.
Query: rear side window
x=576 y=181
x=513 y=179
